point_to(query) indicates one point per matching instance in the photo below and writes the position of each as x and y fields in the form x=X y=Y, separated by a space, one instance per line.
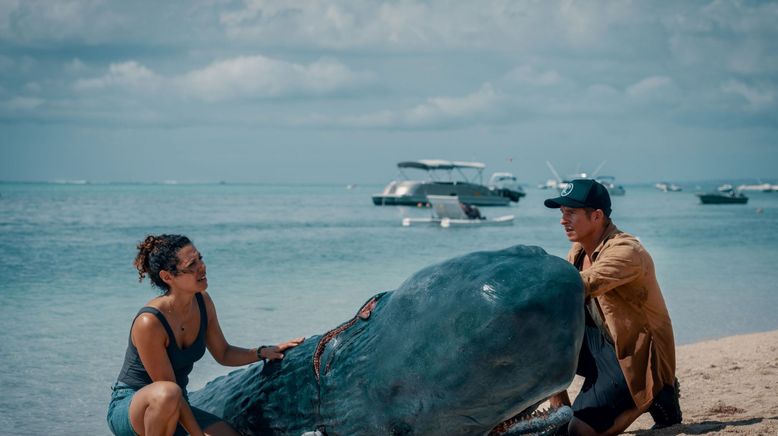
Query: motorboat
x=507 y=183
x=668 y=187
x=725 y=188
x=447 y=178
x=763 y=187
x=550 y=184
x=725 y=194
x=608 y=181
x=610 y=184
x=448 y=211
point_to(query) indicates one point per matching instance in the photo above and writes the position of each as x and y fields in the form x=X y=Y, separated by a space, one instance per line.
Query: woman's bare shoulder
x=209 y=306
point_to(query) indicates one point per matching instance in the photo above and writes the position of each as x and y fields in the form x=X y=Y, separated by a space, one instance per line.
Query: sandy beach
x=728 y=386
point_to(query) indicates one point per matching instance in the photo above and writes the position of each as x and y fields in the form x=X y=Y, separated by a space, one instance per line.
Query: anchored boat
x=724 y=195
x=447 y=178
x=449 y=212
x=608 y=181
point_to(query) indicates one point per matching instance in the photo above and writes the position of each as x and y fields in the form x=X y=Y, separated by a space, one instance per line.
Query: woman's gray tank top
x=134 y=375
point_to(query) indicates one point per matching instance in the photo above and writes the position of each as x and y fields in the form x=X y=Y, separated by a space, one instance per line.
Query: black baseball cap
x=582 y=193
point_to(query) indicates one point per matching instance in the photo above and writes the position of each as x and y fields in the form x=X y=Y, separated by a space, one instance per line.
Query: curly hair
x=158 y=253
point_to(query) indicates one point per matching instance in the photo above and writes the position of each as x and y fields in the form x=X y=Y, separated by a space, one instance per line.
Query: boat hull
x=414 y=193
x=722 y=199
x=506 y=220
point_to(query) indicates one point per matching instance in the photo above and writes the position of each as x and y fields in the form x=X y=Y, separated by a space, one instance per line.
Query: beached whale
x=459 y=348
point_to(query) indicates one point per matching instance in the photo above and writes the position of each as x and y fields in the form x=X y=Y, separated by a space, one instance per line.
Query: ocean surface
x=287 y=261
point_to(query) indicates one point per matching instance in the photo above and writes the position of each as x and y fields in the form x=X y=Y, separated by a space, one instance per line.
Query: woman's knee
x=165 y=395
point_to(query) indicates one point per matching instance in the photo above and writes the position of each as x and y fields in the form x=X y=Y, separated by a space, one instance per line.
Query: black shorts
x=604 y=395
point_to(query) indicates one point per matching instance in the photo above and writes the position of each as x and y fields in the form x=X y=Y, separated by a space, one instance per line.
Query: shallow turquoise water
x=286 y=261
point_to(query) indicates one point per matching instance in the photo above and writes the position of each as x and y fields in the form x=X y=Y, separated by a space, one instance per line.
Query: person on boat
x=471 y=211
x=627 y=357
x=167 y=337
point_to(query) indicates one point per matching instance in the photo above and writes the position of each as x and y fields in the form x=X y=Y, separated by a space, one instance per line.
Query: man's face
x=578 y=227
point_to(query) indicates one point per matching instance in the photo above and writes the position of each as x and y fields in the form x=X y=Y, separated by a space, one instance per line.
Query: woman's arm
x=220 y=349
x=150 y=338
x=230 y=355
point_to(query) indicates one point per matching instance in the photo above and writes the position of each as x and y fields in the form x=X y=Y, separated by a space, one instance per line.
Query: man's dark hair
x=589 y=210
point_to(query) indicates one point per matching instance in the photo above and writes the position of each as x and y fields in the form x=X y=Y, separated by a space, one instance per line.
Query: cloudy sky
x=327 y=91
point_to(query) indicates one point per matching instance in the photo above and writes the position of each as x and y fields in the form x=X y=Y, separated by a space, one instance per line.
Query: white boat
x=725 y=194
x=448 y=212
x=668 y=187
x=506 y=182
x=608 y=181
x=764 y=187
x=550 y=184
x=469 y=188
x=610 y=184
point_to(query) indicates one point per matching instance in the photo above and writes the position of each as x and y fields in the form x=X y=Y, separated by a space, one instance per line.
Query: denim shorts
x=119 y=413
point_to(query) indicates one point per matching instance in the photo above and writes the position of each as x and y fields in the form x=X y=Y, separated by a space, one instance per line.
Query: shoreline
x=728 y=386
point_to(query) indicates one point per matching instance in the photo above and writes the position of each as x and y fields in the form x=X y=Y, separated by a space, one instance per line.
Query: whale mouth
x=533 y=421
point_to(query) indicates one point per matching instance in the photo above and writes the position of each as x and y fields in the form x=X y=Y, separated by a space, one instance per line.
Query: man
x=628 y=354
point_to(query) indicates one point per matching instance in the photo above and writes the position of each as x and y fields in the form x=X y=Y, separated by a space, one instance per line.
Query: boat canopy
x=437 y=164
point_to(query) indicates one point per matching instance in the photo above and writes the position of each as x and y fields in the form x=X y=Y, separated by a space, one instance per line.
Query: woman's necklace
x=170 y=312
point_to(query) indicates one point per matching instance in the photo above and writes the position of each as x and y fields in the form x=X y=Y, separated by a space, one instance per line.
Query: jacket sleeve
x=617 y=264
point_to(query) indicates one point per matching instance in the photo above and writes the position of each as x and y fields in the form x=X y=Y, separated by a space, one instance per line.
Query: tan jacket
x=623 y=281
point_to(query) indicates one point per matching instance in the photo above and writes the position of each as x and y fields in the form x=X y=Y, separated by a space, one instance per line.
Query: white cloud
x=7 y=8
x=263 y=77
x=435 y=112
x=330 y=24
x=600 y=90
x=61 y=20
x=649 y=86
x=243 y=77
x=736 y=36
x=76 y=66
x=126 y=74
x=527 y=74
x=22 y=103
x=757 y=97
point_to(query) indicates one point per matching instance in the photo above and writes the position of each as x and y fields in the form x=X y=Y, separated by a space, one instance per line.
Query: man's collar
x=610 y=230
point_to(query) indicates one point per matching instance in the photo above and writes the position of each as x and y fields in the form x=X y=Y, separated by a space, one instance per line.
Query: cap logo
x=567 y=190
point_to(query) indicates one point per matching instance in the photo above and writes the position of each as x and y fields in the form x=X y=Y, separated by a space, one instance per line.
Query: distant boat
x=470 y=190
x=550 y=184
x=764 y=187
x=610 y=184
x=668 y=187
x=507 y=182
x=723 y=195
x=608 y=181
x=725 y=188
x=449 y=212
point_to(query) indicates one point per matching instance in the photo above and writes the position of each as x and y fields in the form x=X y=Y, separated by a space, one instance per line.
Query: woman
x=167 y=336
